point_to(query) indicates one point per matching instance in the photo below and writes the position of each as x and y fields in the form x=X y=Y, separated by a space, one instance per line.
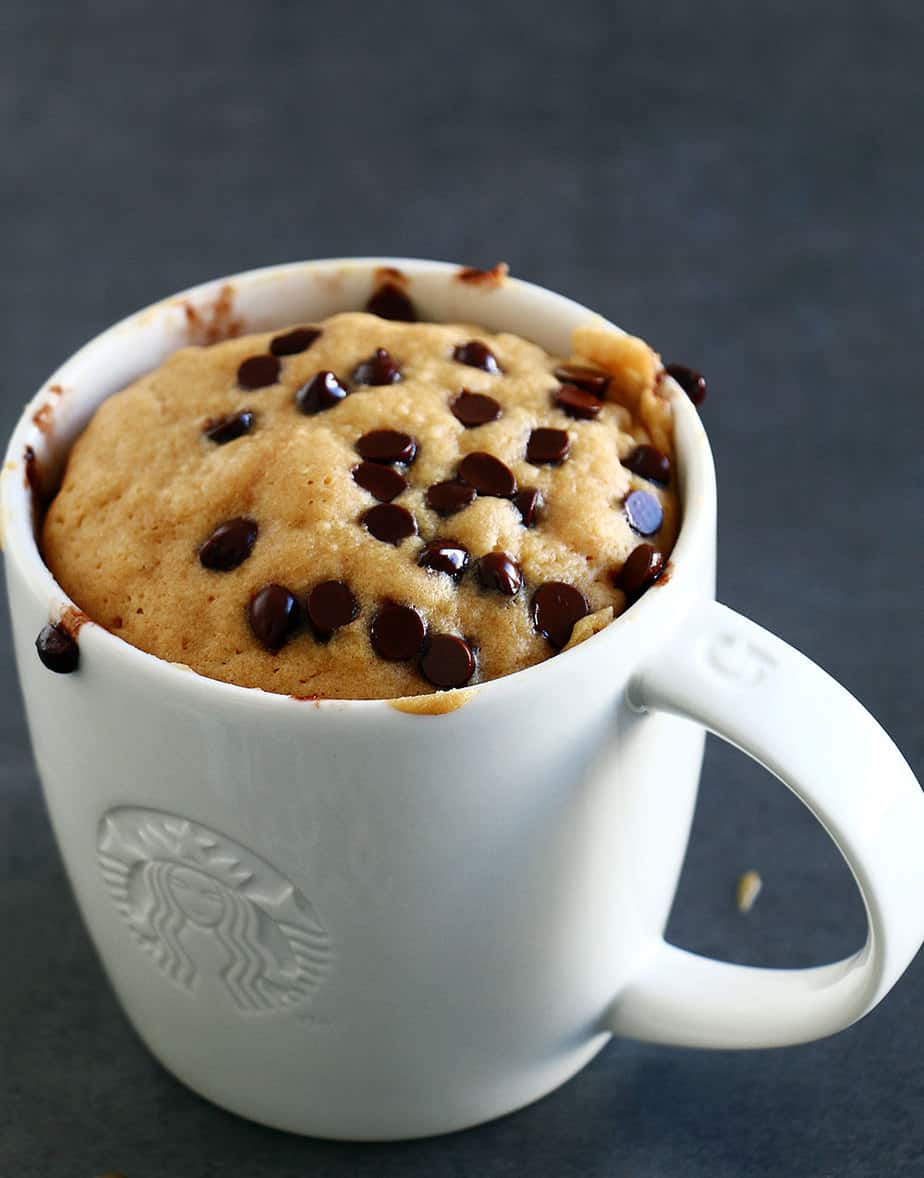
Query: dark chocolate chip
x=390 y=302
x=497 y=570
x=57 y=649
x=692 y=382
x=397 y=632
x=448 y=661
x=642 y=568
x=527 y=502
x=476 y=355
x=256 y=372
x=299 y=339
x=390 y=523
x=323 y=391
x=547 y=447
x=644 y=512
x=649 y=463
x=474 y=409
x=379 y=368
x=387 y=445
x=577 y=403
x=273 y=615
x=449 y=497
x=588 y=379
x=229 y=545
x=383 y=482
x=487 y=474
x=445 y=556
x=556 y=607
x=226 y=429
x=330 y=606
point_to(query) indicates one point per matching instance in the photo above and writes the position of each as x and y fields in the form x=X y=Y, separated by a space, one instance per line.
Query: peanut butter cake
x=369 y=506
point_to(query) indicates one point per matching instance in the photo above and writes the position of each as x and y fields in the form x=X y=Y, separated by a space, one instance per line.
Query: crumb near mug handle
x=759 y=694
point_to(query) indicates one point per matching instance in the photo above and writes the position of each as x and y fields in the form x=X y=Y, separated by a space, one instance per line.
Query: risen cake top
x=364 y=508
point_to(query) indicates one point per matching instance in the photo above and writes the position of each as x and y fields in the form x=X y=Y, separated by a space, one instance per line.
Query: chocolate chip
x=323 y=391
x=383 y=482
x=642 y=568
x=527 y=502
x=379 y=368
x=588 y=379
x=649 y=463
x=474 y=409
x=445 y=556
x=692 y=382
x=577 y=403
x=487 y=474
x=497 y=570
x=644 y=512
x=229 y=545
x=448 y=661
x=547 y=447
x=57 y=649
x=256 y=372
x=476 y=355
x=397 y=632
x=390 y=523
x=556 y=607
x=273 y=614
x=299 y=339
x=330 y=606
x=387 y=445
x=226 y=429
x=390 y=302
x=449 y=497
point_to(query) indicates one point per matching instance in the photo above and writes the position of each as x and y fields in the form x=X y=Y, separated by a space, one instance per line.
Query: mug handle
x=763 y=697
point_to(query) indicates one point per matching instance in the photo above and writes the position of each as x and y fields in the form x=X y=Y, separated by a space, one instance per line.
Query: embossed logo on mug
x=739 y=660
x=196 y=902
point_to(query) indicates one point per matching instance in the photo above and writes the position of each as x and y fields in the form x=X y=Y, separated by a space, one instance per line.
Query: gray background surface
x=742 y=186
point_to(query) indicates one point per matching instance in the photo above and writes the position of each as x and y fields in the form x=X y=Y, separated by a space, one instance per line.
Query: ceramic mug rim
x=695 y=466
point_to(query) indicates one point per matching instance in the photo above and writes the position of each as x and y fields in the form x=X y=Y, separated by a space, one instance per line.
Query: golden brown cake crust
x=145 y=487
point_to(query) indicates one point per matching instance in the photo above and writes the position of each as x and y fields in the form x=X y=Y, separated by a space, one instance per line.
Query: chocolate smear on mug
x=229 y=544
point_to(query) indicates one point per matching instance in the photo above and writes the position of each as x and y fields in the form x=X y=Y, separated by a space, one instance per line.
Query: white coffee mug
x=344 y=919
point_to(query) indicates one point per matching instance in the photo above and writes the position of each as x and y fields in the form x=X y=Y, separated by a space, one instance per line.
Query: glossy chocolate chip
x=331 y=605
x=527 y=502
x=642 y=568
x=226 y=429
x=397 y=632
x=547 y=447
x=290 y=343
x=57 y=649
x=577 y=403
x=445 y=556
x=476 y=355
x=487 y=474
x=497 y=570
x=390 y=523
x=390 y=302
x=692 y=382
x=387 y=445
x=449 y=497
x=556 y=607
x=273 y=614
x=649 y=463
x=588 y=379
x=229 y=545
x=474 y=409
x=383 y=482
x=378 y=369
x=256 y=372
x=448 y=661
x=643 y=512
x=323 y=391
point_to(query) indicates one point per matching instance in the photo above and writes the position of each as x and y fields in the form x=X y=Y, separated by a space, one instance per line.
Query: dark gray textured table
x=744 y=188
